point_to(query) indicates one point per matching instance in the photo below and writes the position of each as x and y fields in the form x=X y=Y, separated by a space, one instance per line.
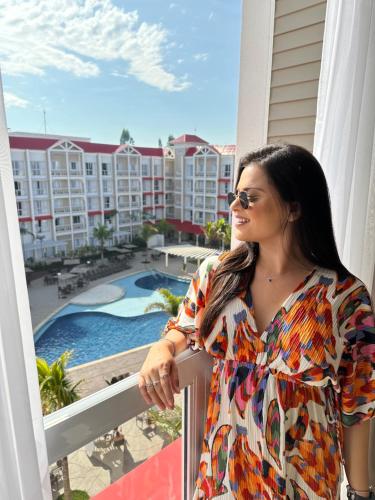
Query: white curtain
x=345 y=137
x=23 y=456
x=345 y=125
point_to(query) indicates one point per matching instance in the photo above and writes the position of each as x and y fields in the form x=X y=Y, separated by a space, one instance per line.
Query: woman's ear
x=294 y=211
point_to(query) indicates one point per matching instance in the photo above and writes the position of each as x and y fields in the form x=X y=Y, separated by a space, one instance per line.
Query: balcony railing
x=40 y=192
x=72 y=427
x=76 y=190
x=62 y=210
x=63 y=229
x=78 y=209
x=59 y=173
x=79 y=225
x=60 y=191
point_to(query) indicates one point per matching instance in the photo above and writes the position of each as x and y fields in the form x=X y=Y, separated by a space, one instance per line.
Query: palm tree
x=171 y=304
x=165 y=228
x=223 y=231
x=169 y=421
x=102 y=233
x=57 y=391
x=210 y=233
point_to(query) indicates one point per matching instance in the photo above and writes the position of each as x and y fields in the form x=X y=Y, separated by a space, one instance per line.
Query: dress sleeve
x=191 y=308
x=356 y=372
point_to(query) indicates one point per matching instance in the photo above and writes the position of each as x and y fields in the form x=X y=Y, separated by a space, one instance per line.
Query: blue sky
x=155 y=67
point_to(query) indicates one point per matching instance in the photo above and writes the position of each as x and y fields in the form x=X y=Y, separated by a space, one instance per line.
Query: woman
x=292 y=337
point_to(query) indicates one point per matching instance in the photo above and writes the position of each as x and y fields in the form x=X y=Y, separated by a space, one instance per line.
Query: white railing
x=72 y=427
x=40 y=192
x=79 y=225
x=61 y=210
x=123 y=173
x=60 y=191
x=76 y=190
x=59 y=173
x=78 y=209
x=61 y=229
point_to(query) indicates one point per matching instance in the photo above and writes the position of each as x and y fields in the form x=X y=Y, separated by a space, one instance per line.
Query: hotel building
x=65 y=186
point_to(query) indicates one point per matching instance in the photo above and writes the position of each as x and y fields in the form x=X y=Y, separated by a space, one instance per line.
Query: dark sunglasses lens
x=231 y=197
x=243 y=199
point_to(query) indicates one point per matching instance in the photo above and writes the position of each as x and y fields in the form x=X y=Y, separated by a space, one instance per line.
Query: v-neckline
x=249 y=301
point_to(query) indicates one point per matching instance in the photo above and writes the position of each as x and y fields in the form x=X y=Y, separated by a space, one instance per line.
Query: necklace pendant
x=269 y=280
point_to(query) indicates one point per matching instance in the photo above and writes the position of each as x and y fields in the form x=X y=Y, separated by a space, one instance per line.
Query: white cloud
x=180 y=61
x=121 y=75
x=201 y=57
x=172 y=5
x=13 y=101
x=210 y=16
x=75 y=36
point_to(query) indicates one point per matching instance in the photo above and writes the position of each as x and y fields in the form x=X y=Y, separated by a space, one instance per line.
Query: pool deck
x=100 y=294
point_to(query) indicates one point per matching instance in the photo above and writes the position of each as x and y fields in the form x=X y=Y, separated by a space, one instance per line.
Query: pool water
x=94 y=332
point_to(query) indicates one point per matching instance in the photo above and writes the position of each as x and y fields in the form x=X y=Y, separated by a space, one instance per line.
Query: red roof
x=186 y=226
x=31 y=143
x=188 y=138
x=42 y=144
x=191 y=151
x=228 y=149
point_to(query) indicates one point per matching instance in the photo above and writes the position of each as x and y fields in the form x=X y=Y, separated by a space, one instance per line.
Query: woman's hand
x=158 y=377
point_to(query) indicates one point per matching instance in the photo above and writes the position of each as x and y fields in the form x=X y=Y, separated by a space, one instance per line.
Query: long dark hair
x=298 y=177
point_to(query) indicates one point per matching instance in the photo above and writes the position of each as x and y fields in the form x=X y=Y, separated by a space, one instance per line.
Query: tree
x=102 y=233
x=126 y=138
x=170 y=139
x=170 y=305
x=219 y=231
x=165 y=228
x=57 y=391
x=160 y=144
x=169 y=421
x=147 y=231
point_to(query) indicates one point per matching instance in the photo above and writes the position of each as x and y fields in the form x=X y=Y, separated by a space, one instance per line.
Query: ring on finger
x=165 y=375
x=155 y=382
x=149 y=385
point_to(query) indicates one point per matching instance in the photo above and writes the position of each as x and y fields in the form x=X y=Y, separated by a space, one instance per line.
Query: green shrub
x=76 y=495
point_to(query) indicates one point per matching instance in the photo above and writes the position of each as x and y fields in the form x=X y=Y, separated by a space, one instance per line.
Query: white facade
x=64 y=187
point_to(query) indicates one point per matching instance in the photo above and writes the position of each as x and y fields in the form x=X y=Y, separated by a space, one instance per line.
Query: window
x=73 y=165
x=19 y=208
x=91 y=221
x=35 y=168
x=107 y=202
x=89 y=168
x=156 y=185
x=156 y=199
x=145 y=170
x=144 y=200
x=227 y=168
x=105 y=169
x=226 y=187
x=17 y=188
x=76 y=219
x=57 y=221
x=134 y=199
x=39 y=227
x=38 y=207
x=16 y=167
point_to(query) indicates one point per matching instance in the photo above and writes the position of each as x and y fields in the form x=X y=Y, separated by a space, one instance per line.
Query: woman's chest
x=301 y=336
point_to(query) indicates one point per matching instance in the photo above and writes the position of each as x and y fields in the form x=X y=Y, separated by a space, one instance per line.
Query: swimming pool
x=94 y=332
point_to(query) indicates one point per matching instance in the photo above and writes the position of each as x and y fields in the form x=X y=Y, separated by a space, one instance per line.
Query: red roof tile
x=228 y=149
x=186 y=226
x=191 y=151
x=31 y=143
x=188 y=138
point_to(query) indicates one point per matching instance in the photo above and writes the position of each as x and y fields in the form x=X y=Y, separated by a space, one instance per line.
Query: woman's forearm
x=356 y=446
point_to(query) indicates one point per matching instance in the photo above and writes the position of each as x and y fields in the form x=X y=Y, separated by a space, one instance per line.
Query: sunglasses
x=242 y=196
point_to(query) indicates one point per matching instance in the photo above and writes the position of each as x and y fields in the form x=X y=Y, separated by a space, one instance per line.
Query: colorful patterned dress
x=279 y=398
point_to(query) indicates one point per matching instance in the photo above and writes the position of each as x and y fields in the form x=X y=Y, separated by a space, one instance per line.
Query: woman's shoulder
x=343 y=283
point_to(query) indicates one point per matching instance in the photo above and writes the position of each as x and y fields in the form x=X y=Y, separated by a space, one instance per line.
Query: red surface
x=43 y=217
x=186 y=226
x=224 y=179
x=25 y=219
x=191 y=151
x=188 y=138
x=158 y=478
x=94 y=212
x=31 y=143
x=222 y=196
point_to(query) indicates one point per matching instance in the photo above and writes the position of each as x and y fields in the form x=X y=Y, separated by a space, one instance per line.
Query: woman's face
x=267 y=213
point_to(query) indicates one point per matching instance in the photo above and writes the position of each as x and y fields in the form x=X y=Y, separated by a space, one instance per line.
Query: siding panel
x=297 y=50
x=297 y=20
x=286 y=93
x=299 y=55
